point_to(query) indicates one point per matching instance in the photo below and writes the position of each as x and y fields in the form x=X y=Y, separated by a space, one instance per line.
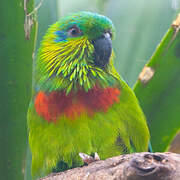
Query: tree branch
x=137 y=166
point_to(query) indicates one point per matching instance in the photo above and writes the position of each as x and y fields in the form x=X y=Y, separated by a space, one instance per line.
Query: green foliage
x=15 y=78
x=160 y=96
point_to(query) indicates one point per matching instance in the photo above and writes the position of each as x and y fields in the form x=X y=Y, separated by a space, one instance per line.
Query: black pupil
x=74 y=31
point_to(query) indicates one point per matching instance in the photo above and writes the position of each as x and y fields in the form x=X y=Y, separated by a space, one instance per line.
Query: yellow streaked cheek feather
x=57 y=55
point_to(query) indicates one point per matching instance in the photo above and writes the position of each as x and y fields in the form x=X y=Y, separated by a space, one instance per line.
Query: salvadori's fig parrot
x=79 y=101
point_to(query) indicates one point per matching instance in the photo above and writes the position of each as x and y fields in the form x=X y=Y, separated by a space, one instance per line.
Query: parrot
x=79 y=103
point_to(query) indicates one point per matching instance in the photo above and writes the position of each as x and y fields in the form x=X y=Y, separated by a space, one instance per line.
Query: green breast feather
x=79 y=102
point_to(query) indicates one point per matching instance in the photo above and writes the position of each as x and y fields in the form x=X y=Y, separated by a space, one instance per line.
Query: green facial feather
x=91 y=24
x=68 y=62
x=65 y=63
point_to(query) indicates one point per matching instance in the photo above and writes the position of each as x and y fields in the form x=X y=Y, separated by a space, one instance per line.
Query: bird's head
x=76 y=52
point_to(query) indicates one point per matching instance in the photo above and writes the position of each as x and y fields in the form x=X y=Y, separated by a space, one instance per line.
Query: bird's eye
x=74 y=32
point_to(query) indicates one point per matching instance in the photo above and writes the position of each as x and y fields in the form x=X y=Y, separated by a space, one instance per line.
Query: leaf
x=158 y=89
x=17 y=34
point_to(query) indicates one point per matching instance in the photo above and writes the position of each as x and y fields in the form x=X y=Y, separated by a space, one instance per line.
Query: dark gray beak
x=102 y=50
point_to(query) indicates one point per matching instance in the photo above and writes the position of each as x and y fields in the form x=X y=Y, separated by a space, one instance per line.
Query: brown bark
x=175 y=145
x=138 y=166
